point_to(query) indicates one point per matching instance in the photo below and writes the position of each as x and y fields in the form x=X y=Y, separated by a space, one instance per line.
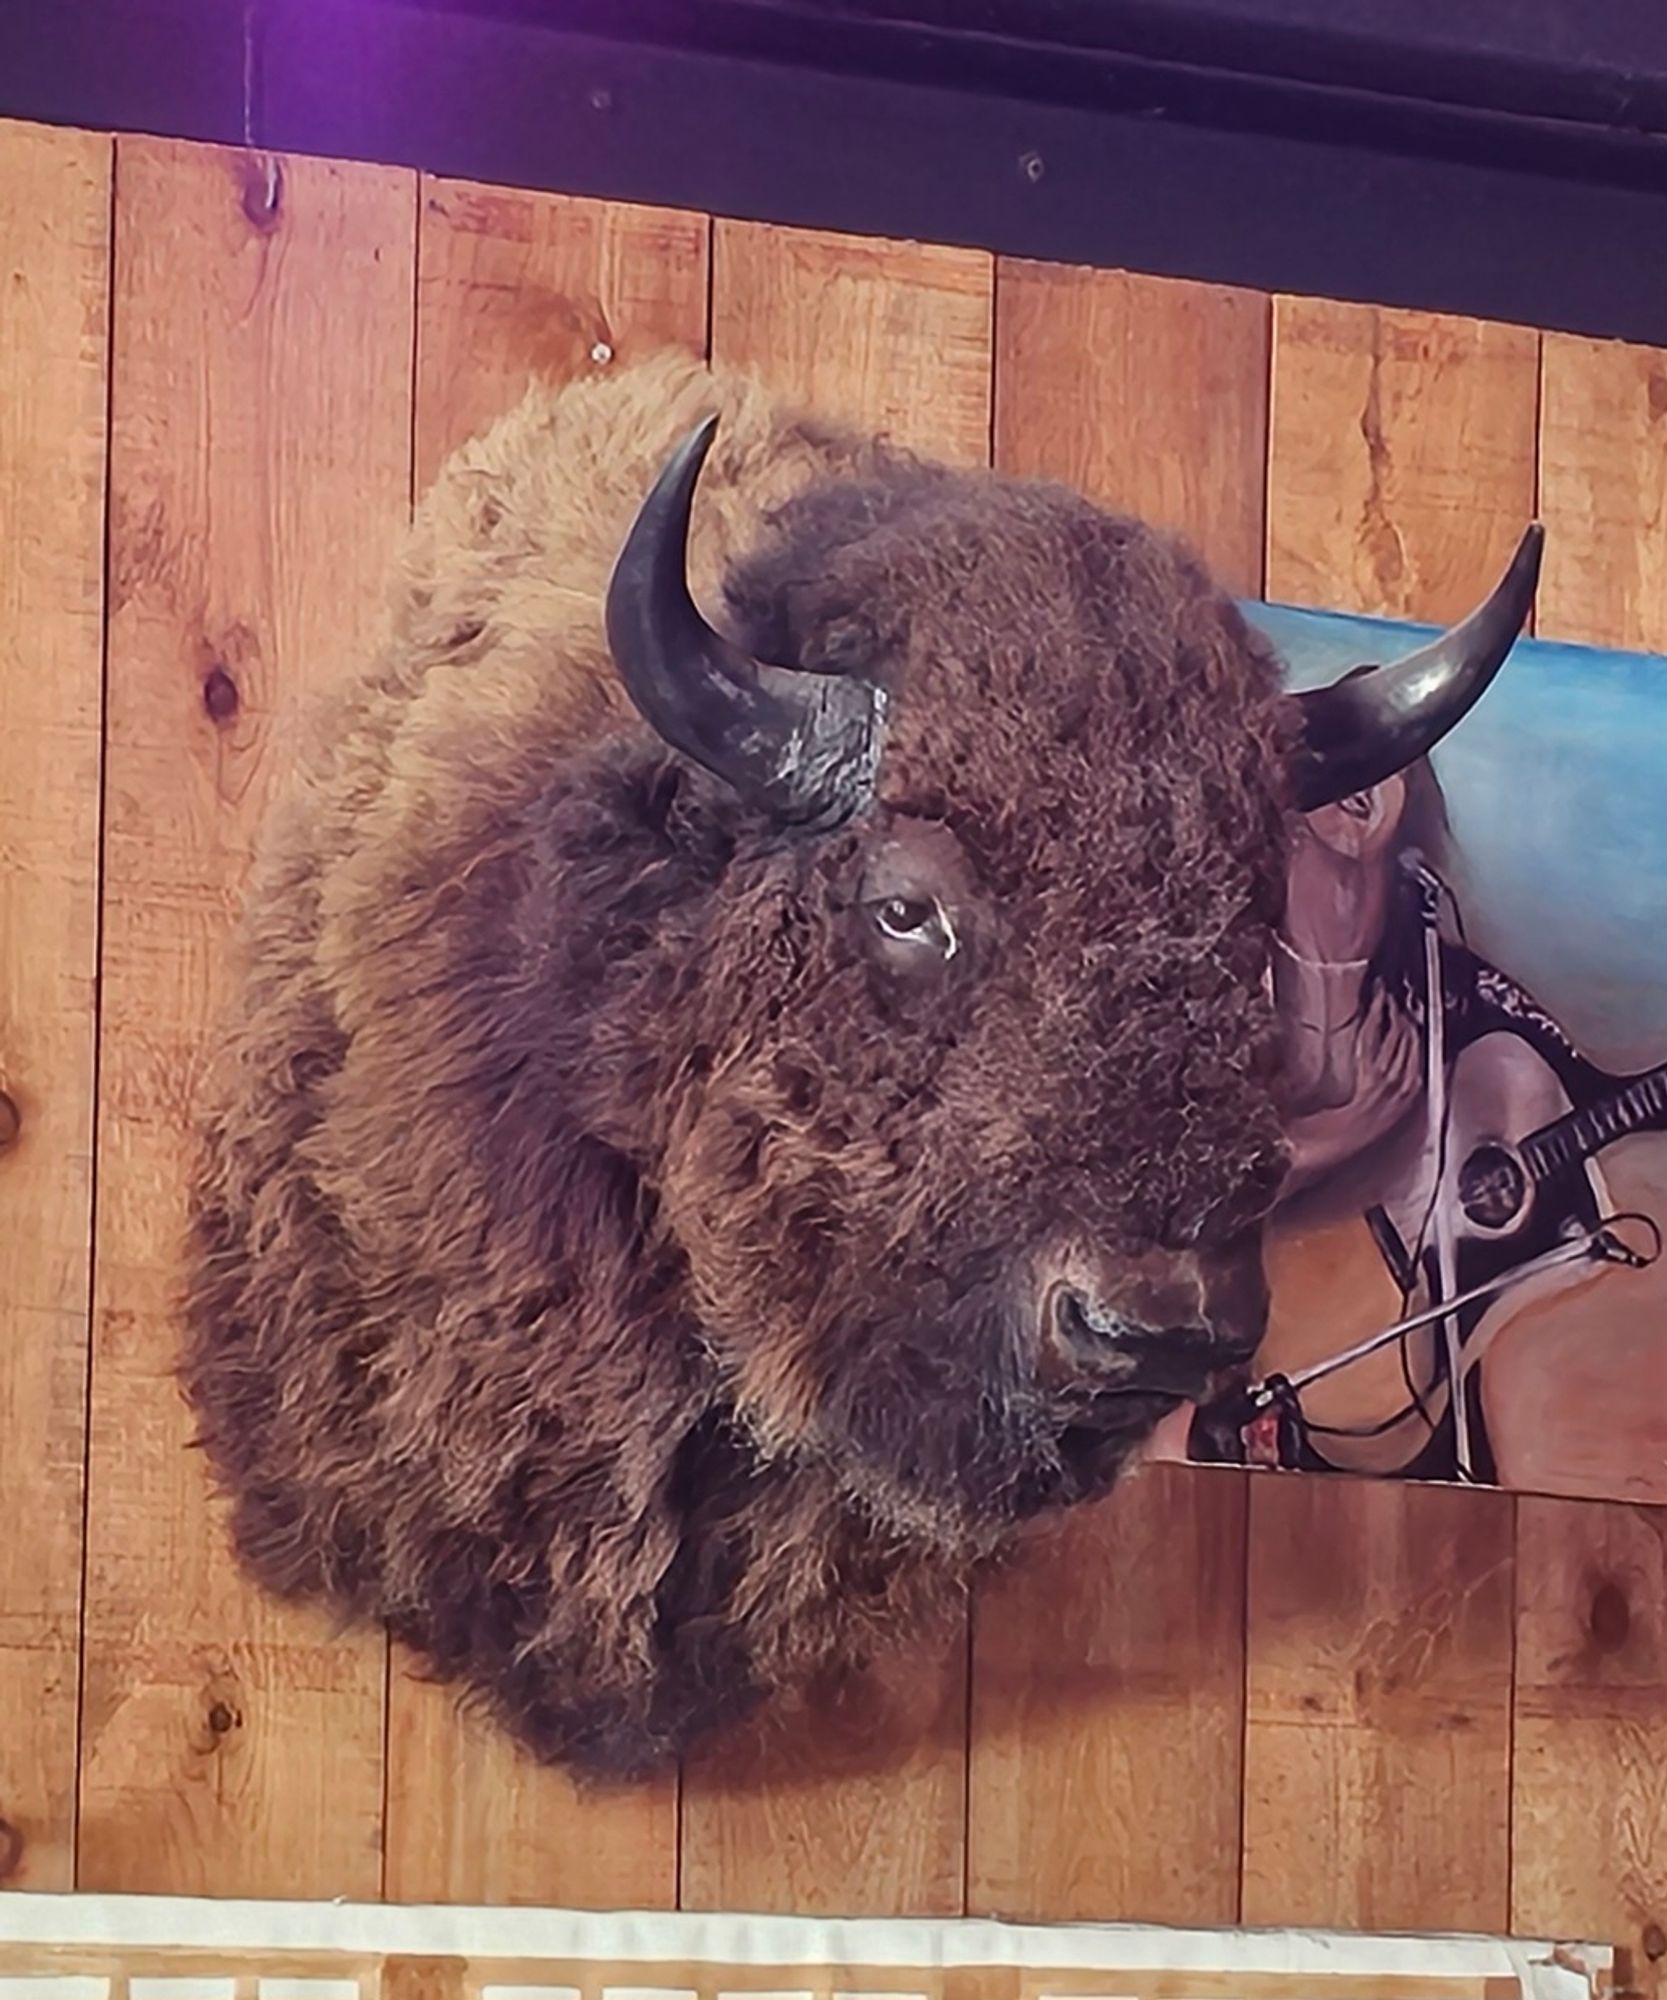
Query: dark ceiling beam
x=1156 y=134
x=1597 y=66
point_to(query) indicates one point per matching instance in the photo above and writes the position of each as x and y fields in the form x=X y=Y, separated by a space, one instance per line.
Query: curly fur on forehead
x=1056 y=664
x=607 y=1266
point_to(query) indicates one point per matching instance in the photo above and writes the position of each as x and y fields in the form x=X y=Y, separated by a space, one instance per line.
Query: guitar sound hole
x=1492 y=1187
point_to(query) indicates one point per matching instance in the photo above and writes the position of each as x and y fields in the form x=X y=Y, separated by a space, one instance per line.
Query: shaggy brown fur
x=615 y=1264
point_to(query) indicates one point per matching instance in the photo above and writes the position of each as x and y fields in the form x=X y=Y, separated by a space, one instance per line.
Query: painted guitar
x=1517 y=1175
x=1515 y=1183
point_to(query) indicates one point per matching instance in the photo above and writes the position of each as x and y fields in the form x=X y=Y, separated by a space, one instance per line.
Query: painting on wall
x=1478 y=1187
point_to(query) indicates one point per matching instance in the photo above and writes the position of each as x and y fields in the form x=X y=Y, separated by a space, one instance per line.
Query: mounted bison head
x=679 y=1195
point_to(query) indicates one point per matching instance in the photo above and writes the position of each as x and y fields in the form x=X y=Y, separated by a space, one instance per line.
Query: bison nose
x=1086 y=1331
x=1090 y=1343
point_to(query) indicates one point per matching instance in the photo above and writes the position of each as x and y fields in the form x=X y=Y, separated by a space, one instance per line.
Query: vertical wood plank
x=1145 y=393
x=1590 y=1824
x=260 y=470
x=1378 y=1727
x=1603 y=471
x=513 y=287
x=1401 y=457
x=1107 y=1712
x=54 y=315
x=1591 y=1727
x=1107 y=1715
x=1401 y=473
x=861 y=1811
x=855 y=1806
x=895 y=336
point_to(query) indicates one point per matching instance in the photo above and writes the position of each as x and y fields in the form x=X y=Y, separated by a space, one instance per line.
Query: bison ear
x=1377 y=720
x=803 y=747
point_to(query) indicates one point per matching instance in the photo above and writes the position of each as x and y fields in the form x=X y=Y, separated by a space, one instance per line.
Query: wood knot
x=11 y=1850
x=1610 y=1617
x=1373 y=1678
x=11 y=1121
x=263 y=191
x=220 y=696
x=222 y=1719
x=1655 y=1942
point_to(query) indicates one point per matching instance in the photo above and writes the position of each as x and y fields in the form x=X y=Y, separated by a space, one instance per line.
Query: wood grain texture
x=859 y=1809
x=510 y=288
x=1108 y=1667
x=424 y=1979
x=1603 y=480
x=260 y=470
x=1378 y=1705
x=54 y=313
x=1590 y=1825
x=513 y=287
x=1145 y=393
x=855 y=1806
x=1107 y=1712
x=472 y=1820
x=1401 y=474
x=1401 y=457
x=1590 y=1777
x=895 y=336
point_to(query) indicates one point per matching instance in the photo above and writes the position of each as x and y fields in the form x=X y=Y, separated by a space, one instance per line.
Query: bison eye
x=917 y=920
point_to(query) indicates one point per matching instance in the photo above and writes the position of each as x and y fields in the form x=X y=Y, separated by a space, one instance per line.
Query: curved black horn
x=1377 y=720
x=803 y=746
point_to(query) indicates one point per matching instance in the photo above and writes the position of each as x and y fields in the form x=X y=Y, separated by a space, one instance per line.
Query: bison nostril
x=1084 y=1329
x=1092 y=1346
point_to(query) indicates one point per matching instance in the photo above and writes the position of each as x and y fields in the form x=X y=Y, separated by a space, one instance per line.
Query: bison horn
x=803 y=746
x=1377 y=720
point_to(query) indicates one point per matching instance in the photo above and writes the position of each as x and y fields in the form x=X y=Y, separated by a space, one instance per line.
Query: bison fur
x=651 y=1257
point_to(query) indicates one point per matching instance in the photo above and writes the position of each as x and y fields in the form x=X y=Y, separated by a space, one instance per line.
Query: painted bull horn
x=1377 y=720
x=805 y=747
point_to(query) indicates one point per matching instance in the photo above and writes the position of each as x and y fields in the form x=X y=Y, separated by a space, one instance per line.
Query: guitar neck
x=1639 y=1106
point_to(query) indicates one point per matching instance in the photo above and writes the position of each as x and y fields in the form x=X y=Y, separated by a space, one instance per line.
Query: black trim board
x=493 y=95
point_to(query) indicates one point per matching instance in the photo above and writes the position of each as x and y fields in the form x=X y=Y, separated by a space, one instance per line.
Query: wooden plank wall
x=1217 y=1697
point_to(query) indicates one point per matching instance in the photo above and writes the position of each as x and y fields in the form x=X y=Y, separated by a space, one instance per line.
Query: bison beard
x=610 y=1265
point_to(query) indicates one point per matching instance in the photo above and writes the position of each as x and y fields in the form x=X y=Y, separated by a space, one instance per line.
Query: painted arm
x=1354 y=1064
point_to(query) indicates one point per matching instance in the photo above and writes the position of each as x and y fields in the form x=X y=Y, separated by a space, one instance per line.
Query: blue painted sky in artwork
x=1556 y=786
